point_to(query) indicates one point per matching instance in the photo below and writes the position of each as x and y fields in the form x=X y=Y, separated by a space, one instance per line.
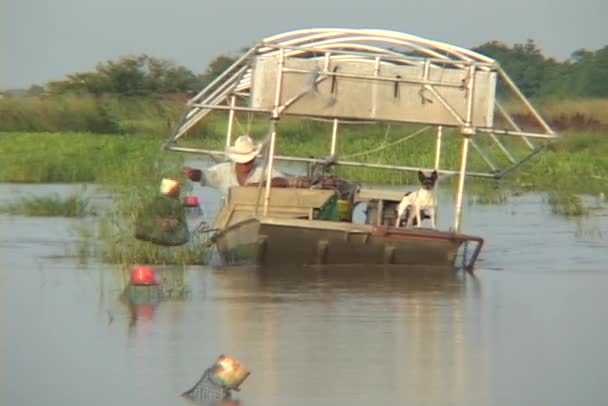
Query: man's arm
x=213 y=177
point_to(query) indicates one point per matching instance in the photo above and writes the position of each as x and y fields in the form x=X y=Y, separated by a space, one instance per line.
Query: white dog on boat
x=421 y=204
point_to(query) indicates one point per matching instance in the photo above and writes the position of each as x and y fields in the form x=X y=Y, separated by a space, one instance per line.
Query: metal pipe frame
x=213 y=152
x=511 y=122
x=516 y=133
x=483 y=155
x=502 y=147
x=230 y=121
x=463 y=173
x=438 y=147
x=470 y=86
x=314 y=36
x=372 y=46
x=273 y=137
x=334 y=137
x=523 y=98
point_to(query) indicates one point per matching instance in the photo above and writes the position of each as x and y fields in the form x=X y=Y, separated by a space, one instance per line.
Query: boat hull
x=277 y=242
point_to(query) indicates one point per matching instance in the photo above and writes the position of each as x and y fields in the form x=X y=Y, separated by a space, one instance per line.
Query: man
x=241 y=170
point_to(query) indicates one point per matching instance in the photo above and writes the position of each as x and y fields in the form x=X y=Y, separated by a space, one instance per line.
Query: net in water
x=162 y=221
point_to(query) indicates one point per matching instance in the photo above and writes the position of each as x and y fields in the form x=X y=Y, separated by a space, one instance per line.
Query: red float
x=143 y=275
x=191 y=201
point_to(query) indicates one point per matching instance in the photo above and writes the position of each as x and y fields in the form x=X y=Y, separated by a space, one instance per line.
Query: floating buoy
x=191 y=201
x=143 y=275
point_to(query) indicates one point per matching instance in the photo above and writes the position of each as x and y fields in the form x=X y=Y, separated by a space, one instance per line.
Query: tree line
x=584 y=74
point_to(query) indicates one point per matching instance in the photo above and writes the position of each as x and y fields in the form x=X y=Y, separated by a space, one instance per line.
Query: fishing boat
x=358 y=77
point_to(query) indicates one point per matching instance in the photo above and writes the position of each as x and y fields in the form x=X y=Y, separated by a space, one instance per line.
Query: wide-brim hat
x=244 y=150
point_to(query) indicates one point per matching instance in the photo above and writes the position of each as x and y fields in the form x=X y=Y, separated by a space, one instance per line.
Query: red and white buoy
x=143 y=275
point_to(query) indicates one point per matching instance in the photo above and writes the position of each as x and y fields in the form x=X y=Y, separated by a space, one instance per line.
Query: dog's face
x=427 y=182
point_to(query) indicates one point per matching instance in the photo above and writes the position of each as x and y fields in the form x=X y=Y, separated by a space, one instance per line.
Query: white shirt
x=223 y=176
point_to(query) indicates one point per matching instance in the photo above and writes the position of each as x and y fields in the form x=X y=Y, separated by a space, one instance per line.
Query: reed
x=567 y=204
x=133 y=183
x=72 y=205
x=596 y=109
x=89 y=113
x=68 y=157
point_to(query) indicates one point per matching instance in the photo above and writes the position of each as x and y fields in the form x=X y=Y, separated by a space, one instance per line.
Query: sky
x=42 y=40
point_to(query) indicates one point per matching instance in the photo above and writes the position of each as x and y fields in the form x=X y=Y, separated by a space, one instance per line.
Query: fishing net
x=205 y=390
x=162 y=221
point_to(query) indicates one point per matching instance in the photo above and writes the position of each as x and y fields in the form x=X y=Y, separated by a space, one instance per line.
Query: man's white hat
x=244 y=149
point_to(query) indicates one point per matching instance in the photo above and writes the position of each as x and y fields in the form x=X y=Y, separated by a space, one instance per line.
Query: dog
x=421 y=204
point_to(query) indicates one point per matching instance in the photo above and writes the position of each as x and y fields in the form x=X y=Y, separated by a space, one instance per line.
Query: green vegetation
x=130 y=76
x=130 y=168
x=585 y=74
x=88 y=113
x=567 y=204
x=53 y=205
x=70 y=157
x=107 y=127
x=132 y=182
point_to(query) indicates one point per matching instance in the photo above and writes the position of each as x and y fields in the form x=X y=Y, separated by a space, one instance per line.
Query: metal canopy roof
x=371 y=75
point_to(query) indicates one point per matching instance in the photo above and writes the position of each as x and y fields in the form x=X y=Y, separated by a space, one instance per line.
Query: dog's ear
x=434 y=175
x=421 y=176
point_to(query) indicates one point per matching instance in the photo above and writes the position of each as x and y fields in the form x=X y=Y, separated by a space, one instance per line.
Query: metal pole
x=273 y=137
x=275 y=118
x=463 y=169
x=438 y=147
x=526 y=102
x=334 y=136
x=230 y=121
x=470 y=86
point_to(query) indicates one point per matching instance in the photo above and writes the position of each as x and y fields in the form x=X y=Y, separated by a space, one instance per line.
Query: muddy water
x=529 y=329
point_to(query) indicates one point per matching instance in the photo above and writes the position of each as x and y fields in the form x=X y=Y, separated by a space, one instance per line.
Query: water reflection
x=390 y=333
x=143 y=300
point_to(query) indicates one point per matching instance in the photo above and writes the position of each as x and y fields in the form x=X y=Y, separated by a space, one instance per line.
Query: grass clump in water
x=132 y=185
x=567 y=204
x=53 y=205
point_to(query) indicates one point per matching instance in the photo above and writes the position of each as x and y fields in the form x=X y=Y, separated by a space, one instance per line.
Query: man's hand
x=192 y=174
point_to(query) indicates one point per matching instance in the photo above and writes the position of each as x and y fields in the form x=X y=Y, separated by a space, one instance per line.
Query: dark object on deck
x=218 y=382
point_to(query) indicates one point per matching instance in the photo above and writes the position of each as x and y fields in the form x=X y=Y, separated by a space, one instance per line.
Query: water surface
x=528 y=329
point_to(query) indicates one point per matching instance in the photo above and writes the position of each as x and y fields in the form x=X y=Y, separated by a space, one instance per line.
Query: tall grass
x=129 y=167
x=68 y=157
x=88 y=113
x=53 y=205
x=596 y=109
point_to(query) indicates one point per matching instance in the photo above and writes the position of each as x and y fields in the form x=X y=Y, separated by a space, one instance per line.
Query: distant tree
x=585 y=74
x=216 y=67
x=131 y=76
x=524 y=63
x=35 y=90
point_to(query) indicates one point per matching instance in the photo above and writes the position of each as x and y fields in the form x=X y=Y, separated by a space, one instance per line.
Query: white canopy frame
x=320 y=51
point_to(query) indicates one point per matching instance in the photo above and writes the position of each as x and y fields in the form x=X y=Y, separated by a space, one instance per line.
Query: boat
x=354 y=77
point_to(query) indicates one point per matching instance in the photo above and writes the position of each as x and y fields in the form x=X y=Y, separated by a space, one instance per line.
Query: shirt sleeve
x=215 y=176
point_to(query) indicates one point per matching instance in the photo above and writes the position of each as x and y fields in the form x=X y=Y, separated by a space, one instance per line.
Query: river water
x=528 y=328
